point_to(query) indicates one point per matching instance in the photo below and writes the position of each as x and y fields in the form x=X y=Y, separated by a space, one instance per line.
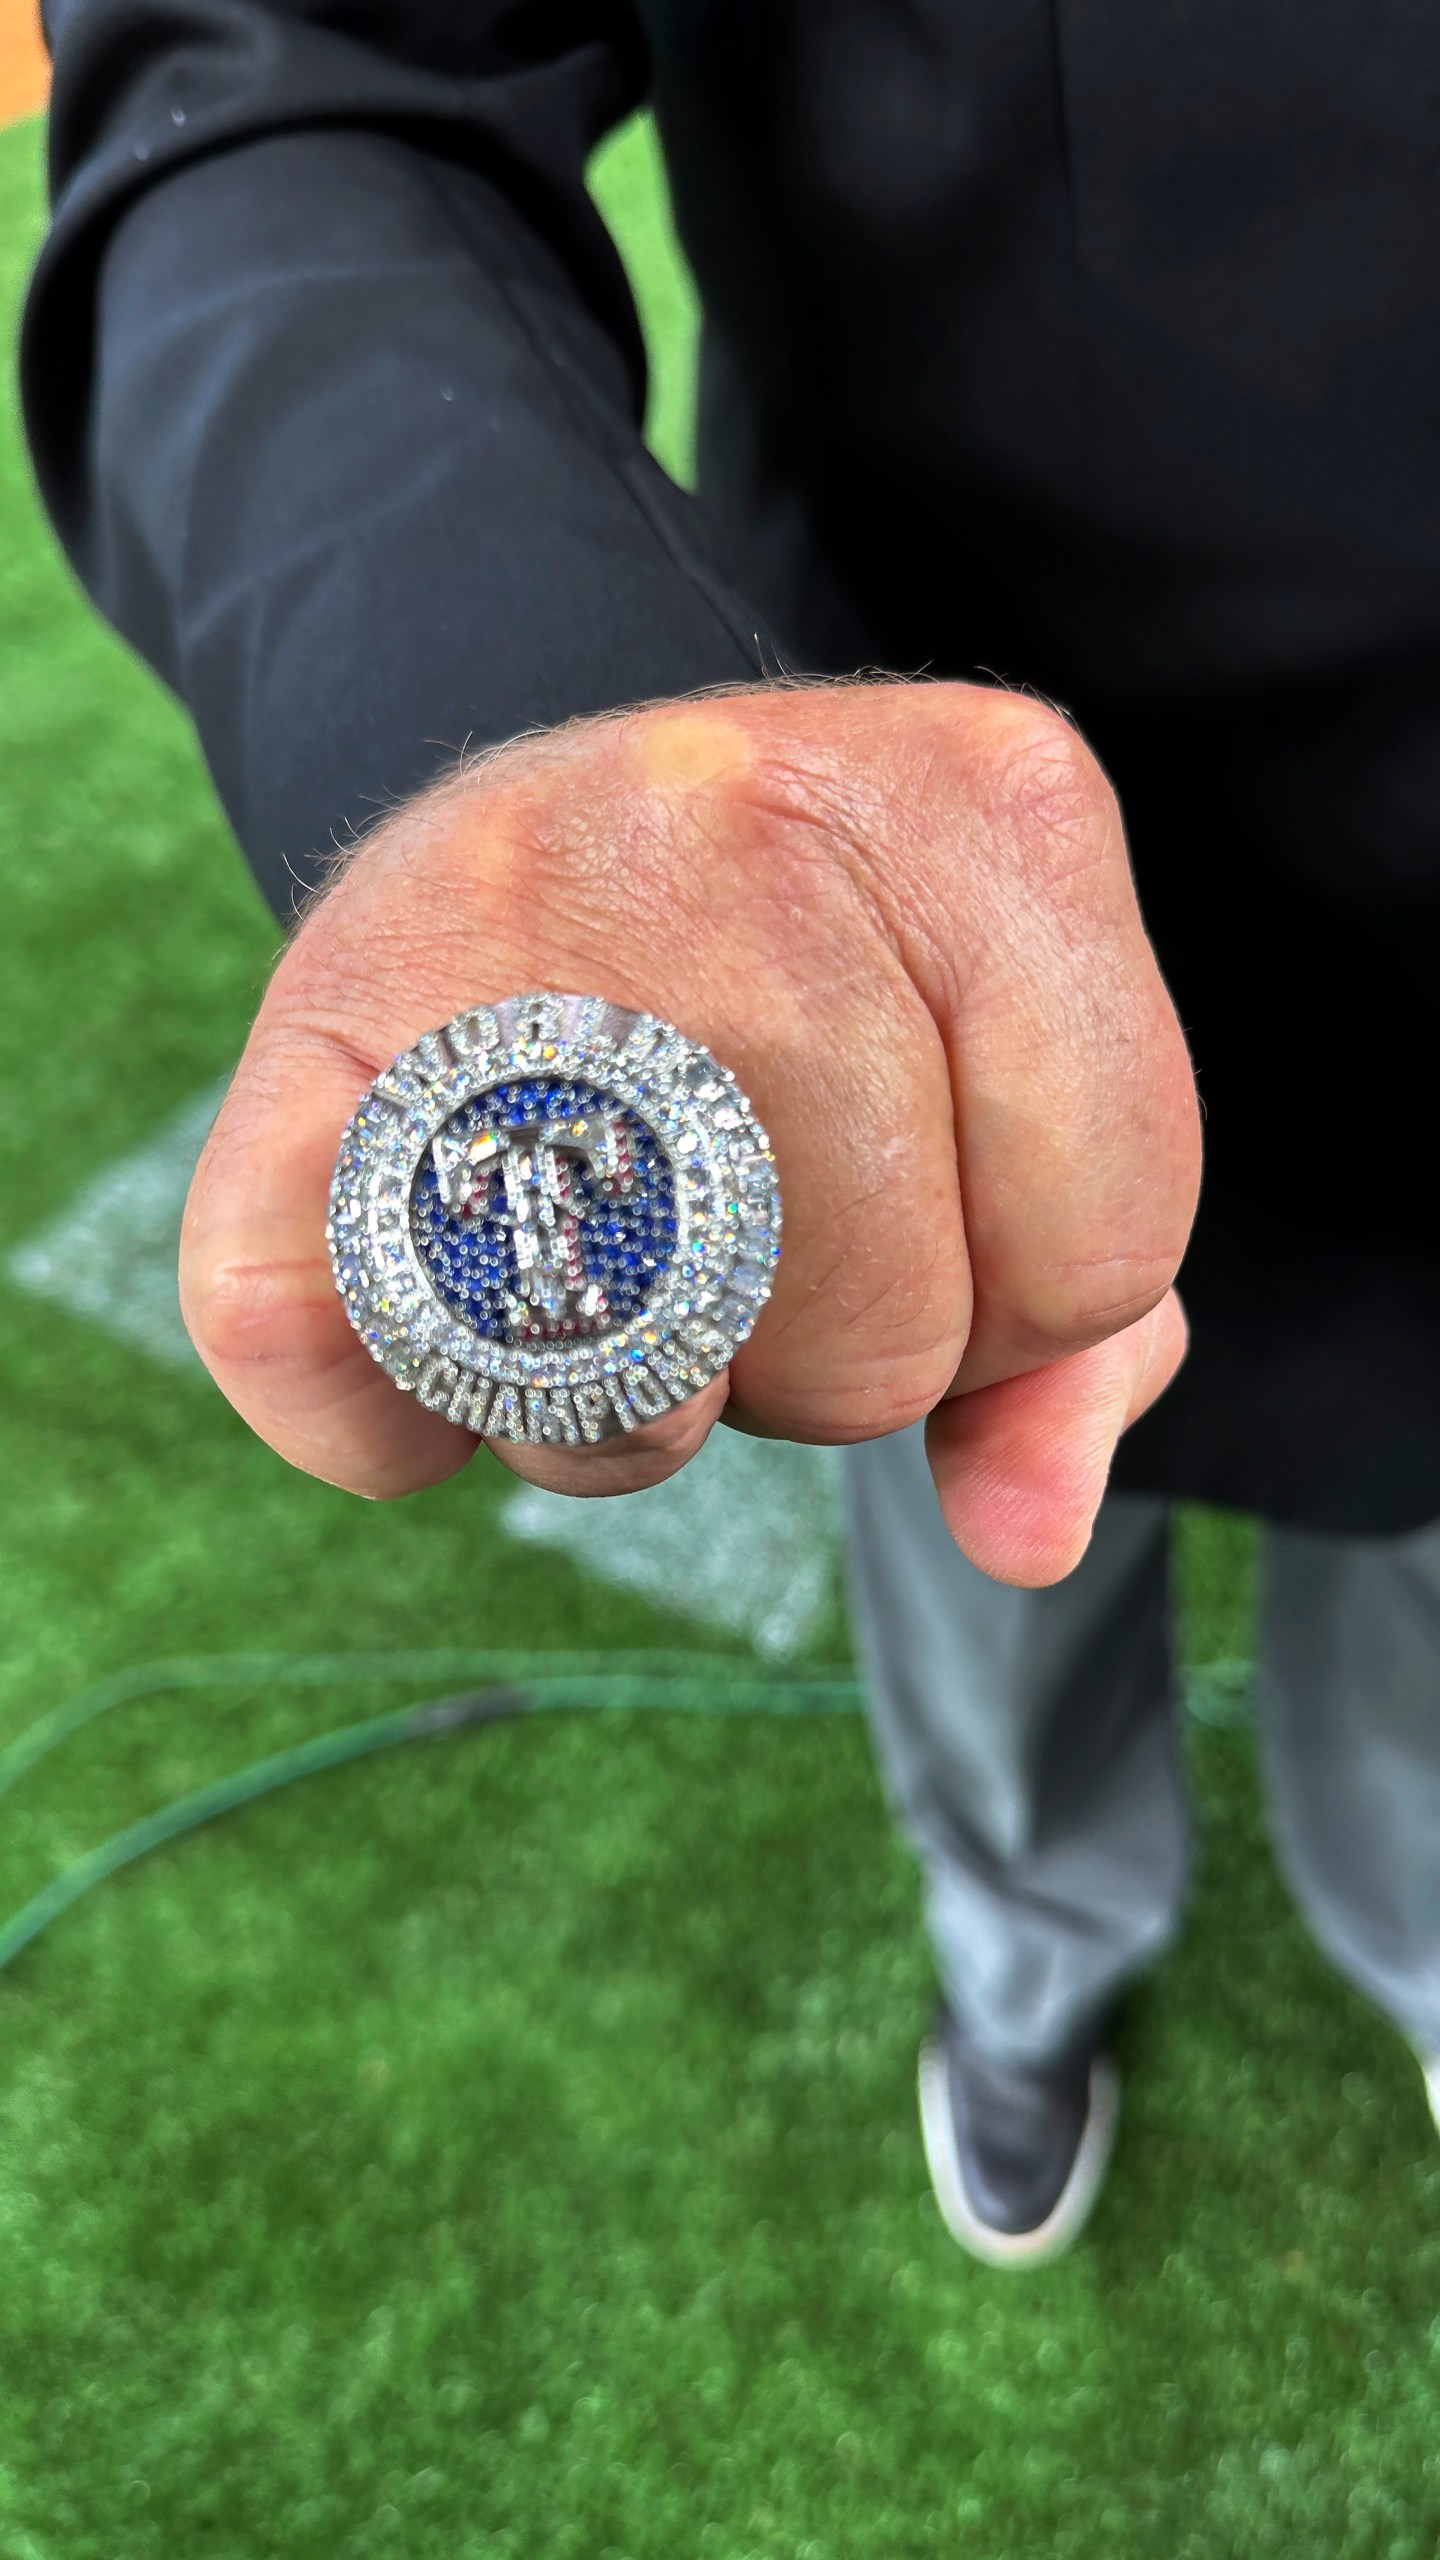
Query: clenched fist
x=904 y=915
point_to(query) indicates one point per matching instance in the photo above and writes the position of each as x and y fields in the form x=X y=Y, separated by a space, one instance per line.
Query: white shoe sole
x=1076 y=2200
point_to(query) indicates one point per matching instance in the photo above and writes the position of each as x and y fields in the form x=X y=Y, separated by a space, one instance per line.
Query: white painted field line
x=746 y=1539
x=110 y=1256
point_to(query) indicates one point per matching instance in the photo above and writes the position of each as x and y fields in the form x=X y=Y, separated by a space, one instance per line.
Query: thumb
x=1021 y=1466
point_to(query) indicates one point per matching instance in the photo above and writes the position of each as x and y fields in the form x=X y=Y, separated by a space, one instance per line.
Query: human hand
x=903 y=914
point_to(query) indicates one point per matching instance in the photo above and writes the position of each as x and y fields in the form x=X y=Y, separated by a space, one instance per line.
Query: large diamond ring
x=554 y=1218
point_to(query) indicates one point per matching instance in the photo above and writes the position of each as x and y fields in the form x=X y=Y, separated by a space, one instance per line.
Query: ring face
x=544 y=1210
x=554 y=1218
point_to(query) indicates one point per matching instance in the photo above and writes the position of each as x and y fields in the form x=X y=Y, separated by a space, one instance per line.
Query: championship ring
x=553 y=1219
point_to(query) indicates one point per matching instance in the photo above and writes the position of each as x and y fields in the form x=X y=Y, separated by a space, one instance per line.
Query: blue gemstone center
x=544 y=1211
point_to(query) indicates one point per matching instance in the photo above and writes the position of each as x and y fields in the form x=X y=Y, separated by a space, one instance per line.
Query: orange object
x=24 y=66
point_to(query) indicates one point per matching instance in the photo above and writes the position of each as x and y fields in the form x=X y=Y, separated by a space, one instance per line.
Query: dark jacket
x=1094 y=343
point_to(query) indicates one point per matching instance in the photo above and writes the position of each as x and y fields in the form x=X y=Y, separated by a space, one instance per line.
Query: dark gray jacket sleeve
x=334 y=385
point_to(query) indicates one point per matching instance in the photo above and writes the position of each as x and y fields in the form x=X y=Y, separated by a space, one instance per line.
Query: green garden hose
x=512 y=1684
x=502 y=1685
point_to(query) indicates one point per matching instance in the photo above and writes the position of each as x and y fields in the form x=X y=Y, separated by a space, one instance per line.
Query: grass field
x=506 y=2150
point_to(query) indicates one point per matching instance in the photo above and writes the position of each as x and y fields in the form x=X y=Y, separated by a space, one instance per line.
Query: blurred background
x=506 y=2145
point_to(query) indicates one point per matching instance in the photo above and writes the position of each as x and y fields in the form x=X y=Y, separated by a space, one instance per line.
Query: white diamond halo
x=553 y=1219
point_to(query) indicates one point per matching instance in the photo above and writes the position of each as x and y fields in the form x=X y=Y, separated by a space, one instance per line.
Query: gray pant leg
x=1028 y=1741
x=1350 y=1702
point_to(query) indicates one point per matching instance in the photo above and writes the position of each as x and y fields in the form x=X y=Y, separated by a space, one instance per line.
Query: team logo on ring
x=554 y=1218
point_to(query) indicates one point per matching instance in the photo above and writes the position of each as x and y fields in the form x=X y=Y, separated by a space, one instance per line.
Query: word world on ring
x=553 y=1219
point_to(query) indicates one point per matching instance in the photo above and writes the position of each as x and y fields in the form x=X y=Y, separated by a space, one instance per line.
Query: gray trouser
x=1028 y=1739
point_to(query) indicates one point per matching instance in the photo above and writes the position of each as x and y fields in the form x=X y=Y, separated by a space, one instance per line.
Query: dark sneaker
x=1016 y=2158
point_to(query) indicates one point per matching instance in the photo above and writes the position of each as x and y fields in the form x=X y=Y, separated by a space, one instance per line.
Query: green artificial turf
x=505 y=2150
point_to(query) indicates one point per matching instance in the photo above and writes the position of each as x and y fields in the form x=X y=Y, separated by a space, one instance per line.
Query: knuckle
x=838 y=1415
x=1077 y=1305
x=257 y=1315
x=1045 y=783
